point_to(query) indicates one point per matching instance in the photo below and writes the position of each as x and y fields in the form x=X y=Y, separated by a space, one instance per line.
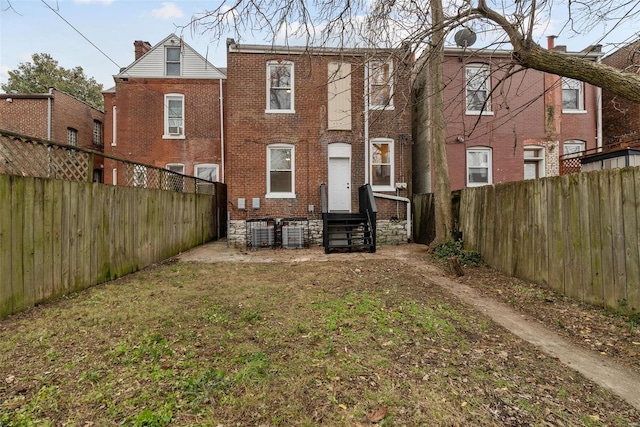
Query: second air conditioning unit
x=292 y=236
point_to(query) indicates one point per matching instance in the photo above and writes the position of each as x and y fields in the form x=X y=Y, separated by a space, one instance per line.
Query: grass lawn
x=305 y=344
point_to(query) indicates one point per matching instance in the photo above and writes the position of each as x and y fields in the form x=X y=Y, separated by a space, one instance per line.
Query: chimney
x=550 y=42
x=141 y=48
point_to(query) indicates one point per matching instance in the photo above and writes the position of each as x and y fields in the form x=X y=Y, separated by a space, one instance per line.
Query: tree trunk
x=442 y=188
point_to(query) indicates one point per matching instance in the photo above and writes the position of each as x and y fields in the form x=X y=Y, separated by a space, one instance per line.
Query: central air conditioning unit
x=292 y=236
x=261 y=237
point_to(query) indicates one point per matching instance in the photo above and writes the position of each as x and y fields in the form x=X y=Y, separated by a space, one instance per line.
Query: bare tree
x=424 y=25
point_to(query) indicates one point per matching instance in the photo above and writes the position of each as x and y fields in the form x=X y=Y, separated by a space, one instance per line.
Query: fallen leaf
x=377 y=415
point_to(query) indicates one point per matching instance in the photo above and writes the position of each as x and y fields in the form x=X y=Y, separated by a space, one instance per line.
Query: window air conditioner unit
x=262 y=237
x=292 y=236
x=175 y=130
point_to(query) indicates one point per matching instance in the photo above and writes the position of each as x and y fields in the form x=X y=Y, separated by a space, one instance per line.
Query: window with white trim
x=173 y=116
x=572 y=95
x=478 y=88
x=207 y=171
x=281 y=171
x=72 y=137
x=382 y=165
x=280 y=87
x=173 y=56
x=381 y=85
x=479 y=166
x=573 y=148
x=139 y=176
x=533 y=162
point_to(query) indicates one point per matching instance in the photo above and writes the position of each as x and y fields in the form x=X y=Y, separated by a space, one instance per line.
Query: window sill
x=478 y=184
x=280 y=196
x=280 y=111
x=479 y=113
x=381 y=107
x=380 y=188
x=574 y=111
x=173 y=137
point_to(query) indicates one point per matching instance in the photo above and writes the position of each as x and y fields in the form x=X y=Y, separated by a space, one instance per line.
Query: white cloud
x=4 y=74
x=168 y=11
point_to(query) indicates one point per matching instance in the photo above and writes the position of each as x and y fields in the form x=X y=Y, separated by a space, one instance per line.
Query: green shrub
x=454 y=248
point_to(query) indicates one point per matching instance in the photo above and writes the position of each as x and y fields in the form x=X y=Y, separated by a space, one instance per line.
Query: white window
x=572 y=95
x=280 y=171
x=573 y=148
x=479 y=166
x=478 y=88
x=72 y=137
x=533 y=162
x=207 y=172
x=172 y=57
x=382 y=167
x=97 y=132
x=174 y=116
x=280 y=88
x=175 y=182
x=381 y=85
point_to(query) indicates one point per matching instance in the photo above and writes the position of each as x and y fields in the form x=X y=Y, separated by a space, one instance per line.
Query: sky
x=98 y=35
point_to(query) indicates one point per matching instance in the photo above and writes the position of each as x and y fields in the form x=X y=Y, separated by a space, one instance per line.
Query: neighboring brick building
x=622 y=117
x=301 y=117
x=166 y=110
x=501 y=130
x=56 y=116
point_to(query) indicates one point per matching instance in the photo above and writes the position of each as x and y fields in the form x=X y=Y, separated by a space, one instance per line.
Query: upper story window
x=97 y=132
x=382 y=165
x=281 y=171
x=381 y=85
x=479 y=166
x=280 y=90
x=173 y=55
x=572 y=95
x=173 y=116
x=72 y=137
x=478 y=88
x=175 y=182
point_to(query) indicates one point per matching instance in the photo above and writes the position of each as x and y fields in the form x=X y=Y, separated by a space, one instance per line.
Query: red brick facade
x=525 y=110
x=140 y=116
x=251 y=130
x=29 y=115
x=622 y=117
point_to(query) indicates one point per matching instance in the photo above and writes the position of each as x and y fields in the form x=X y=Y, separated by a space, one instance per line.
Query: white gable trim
x=152 y=63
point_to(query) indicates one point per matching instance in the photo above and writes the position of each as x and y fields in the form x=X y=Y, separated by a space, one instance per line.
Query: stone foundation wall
x=389 y=232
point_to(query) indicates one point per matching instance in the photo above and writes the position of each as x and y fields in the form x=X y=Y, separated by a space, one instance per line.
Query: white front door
x=339 y=177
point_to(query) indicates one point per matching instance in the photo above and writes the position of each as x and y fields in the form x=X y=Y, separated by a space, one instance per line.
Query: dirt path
x=600 y=369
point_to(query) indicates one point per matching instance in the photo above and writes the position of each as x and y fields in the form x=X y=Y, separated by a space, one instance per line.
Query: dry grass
x=339 y=344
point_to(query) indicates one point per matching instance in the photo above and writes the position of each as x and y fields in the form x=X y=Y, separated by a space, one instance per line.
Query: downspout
x=366 y=124
x=599 y=117
x=221 y=132
x=400 y=199
x=49 y=114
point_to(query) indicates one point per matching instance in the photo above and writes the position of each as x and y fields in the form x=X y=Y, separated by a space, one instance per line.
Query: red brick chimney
x=551 y=42
x=141 y=48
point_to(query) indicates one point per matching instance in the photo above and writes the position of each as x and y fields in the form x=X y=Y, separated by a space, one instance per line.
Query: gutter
x=400 y=199
x=221 y=133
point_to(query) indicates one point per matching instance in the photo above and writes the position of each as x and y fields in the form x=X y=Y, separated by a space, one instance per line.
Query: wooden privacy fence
x=578 y=234
x=58 y=237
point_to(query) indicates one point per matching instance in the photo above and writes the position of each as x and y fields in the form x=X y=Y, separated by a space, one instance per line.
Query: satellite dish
x=465 y=37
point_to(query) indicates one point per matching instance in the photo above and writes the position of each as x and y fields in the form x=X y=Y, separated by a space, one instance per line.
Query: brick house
x=507 y=129
x=166 y=110
x=622 y=117
x=55 y=116
x=301 y=117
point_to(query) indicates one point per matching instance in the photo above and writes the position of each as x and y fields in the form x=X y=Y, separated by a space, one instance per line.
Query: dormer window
x=172 y=61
